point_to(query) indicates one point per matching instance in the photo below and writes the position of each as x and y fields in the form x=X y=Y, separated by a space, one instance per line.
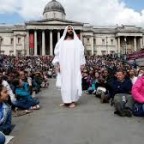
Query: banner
x=31 y=41
x=136 y=55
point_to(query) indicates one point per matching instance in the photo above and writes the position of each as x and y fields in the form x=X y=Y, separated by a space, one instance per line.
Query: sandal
x=37 y=107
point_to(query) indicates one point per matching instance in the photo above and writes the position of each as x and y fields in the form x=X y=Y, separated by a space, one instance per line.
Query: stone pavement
x=90 y=123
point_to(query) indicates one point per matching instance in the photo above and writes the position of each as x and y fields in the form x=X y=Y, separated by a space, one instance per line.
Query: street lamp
x=125 y=39
x=0 y=43
x=125 y=53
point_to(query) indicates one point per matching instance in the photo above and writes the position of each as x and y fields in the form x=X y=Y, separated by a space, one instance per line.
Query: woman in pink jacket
x=138 y=90
x=138 y=96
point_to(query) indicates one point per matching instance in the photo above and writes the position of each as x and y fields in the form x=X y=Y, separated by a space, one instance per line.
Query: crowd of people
x=108 y=78
x=21 y=80
x=113 y=80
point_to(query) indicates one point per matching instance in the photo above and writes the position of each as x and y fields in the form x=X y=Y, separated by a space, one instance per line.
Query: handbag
x=58 y=80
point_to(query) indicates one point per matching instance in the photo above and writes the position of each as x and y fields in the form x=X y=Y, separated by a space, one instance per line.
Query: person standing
x=69 y=60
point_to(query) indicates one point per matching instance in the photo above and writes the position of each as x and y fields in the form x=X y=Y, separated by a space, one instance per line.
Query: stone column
x=125 y=46
x=118 y=46
x=81 y=36
x=24 y=49
x=35 y=42
x=141 y=42
x=51 y=43
x=107 y=47
x=27 y=44
x=43 y=42
x=135 y=44
x=95 y=46
x=58 y=35
x=92 y=45
x=14 y=48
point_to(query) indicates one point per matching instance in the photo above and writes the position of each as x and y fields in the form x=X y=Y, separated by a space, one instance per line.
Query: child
x=5 y=111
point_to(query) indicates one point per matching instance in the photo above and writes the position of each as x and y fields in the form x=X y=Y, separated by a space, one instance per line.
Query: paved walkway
x=89 y=123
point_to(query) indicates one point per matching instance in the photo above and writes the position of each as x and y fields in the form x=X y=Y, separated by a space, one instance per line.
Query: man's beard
x=69 y=35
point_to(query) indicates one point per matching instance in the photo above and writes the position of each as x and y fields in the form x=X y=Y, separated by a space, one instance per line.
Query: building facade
x=40 y=37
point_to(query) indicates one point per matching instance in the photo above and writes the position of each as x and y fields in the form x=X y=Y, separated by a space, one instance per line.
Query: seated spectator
x=37 y=81
x=103 y=86
x=85 y=80
x=2 y=138
x=132 y=75
x=28 y=78
x=138 y=96
x=5 y=111
x=121 y=91
x=45 y=82
x=140 y=72
x=93 y=85
x=9 y=90
x=25 y=100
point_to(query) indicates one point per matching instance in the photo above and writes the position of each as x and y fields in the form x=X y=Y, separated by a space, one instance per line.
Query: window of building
x=1 y=40
x=94 y=41
x=88 y=40
x=11 y=52
x=19 y=39
x=11 y=41
x=2 y=51
x=103 y=52
x=112 y=41
x=112 y=52
x=19 y=52
x=103 y=41
x=95 y=52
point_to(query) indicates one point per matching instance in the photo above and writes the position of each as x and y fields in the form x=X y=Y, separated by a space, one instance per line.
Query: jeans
x=6 y=126
x=2 y=138
x=24 y=103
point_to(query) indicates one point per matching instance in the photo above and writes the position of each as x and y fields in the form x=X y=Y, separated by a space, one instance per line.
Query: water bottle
x=123 y=101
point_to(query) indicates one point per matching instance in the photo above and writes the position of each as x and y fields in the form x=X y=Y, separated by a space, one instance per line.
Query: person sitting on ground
x=121 y=94
x=85 y=80
x=140 y=72
x=138 y=96
x=38 y=79
x=103 y=86
x=5 y=111
x=93 y=86
x=132 y=75
x=25 y=100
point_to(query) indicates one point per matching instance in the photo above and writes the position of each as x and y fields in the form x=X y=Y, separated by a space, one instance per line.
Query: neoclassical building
x=39 y=37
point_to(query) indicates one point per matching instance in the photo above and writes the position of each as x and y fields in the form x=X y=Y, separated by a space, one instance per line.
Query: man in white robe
x=69 y=60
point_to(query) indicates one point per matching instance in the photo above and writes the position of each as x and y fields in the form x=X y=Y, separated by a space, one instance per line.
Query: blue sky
x=11 y=18
x=95 y=12
x=138 y=5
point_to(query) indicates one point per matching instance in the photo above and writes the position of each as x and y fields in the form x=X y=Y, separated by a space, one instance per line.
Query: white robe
x=70 y=55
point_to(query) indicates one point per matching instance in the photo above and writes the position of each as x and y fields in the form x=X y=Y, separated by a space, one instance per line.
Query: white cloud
x=95 y=12
x=10 y=6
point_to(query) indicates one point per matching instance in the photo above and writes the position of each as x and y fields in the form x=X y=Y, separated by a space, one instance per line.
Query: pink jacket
x=138 y=90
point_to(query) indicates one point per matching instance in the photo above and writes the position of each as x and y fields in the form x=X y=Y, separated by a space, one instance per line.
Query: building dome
x=54 y=6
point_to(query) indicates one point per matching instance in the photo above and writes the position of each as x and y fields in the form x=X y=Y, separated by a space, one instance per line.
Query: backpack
x=138 y=109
